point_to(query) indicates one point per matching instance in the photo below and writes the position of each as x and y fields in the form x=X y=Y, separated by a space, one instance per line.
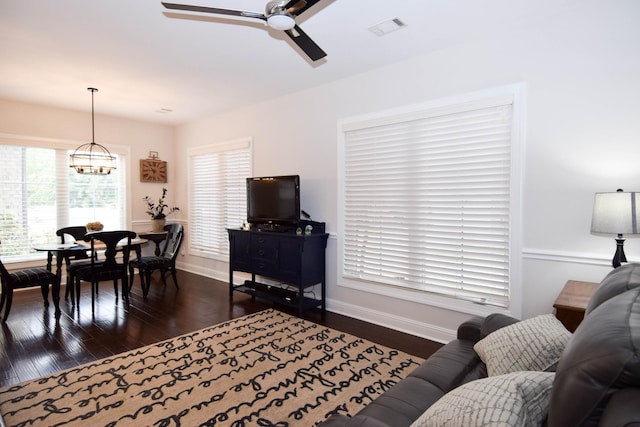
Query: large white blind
x=426 y=199
x=217 y=195
x=40 y=193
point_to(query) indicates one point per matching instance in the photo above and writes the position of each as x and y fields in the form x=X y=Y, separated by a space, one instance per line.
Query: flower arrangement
x=156 y=211
x=94 y=226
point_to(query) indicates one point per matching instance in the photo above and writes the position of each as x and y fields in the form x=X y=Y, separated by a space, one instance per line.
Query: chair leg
x=78 y=291
x=68 y=292
x=55 y=290
x=125 y=288
x=131 y=273
x=115 y=287
x=142 y=284
x=175 y=278
x=9 y=300
x=147 y=277
x=44 y=289
x=3 y=297
x=162 y=276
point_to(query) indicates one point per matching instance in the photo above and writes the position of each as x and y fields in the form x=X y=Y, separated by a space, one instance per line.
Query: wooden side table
x=155 y=236
x=572 y=302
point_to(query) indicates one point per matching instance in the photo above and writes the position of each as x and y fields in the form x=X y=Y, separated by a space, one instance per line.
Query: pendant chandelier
x=92 y=158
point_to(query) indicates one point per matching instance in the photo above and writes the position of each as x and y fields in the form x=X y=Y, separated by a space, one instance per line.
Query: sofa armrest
x=622 y=409
x=470 y=330
x=496 y=321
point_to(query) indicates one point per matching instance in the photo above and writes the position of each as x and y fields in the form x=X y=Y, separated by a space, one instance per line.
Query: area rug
x=264 y=369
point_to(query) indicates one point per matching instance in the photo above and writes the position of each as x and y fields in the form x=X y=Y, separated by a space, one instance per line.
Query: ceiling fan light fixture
x=281 y=21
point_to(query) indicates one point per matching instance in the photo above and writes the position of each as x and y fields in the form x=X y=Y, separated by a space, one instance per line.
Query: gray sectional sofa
x=594 y=382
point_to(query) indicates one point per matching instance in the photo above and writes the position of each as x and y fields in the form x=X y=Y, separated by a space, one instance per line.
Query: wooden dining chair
x=77 y=232
x=28 y=278
x=165 y=262
x=108 y=268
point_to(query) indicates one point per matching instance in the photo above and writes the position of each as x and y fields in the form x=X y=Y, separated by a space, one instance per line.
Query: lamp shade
x=615 y=213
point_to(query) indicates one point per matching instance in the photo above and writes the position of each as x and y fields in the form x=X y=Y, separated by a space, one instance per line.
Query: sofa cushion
x=618 y=280
x=453 y=364
x=530 y=345
x=515 y=399
x=602 y=358
x=402 y=403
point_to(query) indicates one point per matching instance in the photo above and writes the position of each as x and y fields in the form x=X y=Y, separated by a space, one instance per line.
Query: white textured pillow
x=516 y=399
x=530 y=345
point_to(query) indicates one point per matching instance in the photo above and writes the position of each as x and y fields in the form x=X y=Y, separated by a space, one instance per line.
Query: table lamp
x=617 y=214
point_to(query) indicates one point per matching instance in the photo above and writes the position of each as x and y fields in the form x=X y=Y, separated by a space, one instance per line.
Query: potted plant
x=157 y=211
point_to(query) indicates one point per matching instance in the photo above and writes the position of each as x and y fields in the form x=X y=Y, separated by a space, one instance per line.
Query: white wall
x=582 y=77
x=68 y=126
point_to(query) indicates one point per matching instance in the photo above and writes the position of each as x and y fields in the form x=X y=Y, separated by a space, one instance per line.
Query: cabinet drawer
x=264 y=268
x=264 y=248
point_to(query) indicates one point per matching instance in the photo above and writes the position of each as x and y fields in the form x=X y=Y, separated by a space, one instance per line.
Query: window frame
x=69 y=145
x=517 y=93
x=222 y=254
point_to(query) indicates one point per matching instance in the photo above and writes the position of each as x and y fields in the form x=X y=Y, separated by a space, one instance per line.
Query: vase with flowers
x=157 y=211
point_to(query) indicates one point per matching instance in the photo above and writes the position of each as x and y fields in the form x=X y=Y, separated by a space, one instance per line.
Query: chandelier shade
x=92 y=158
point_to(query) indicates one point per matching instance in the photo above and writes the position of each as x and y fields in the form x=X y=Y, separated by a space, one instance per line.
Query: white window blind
x=40 y=193
x=426 y=200
x=217 y=195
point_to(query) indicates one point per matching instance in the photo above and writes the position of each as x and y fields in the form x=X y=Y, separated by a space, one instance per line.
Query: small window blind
x=426 y=199
x=217 y=195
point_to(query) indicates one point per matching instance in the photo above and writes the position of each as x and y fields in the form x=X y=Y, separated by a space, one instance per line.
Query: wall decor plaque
x=152 y=170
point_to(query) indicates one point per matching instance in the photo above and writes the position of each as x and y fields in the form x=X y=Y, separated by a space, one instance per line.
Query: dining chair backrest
x=111 y=241
x=175 y=232
x=77 y=232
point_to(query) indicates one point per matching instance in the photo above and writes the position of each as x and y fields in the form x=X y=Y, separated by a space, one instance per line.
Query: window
x=40 y=193
x=217 y=195
x=429 y=202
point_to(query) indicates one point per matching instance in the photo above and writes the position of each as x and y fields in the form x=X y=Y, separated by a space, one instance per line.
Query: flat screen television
x=273 y=201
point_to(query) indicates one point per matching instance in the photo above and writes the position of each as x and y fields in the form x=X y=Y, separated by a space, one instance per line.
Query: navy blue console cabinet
x=292 y=262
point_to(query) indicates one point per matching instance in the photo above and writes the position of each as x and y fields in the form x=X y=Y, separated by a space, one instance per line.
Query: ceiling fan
x=278 y=14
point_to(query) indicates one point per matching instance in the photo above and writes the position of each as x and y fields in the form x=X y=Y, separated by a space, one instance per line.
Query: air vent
x=386 y=27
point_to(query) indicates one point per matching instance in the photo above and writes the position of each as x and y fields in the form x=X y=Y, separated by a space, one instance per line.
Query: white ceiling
x=144 y=58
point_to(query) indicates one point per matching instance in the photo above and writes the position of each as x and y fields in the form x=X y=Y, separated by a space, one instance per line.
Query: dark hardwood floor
x=34 y=343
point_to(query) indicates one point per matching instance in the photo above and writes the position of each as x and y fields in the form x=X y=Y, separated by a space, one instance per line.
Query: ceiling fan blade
x=214 y=10
x=296 y=7
x=305 y=43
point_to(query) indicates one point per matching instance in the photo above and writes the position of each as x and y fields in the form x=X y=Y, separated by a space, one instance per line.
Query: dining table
x=63 y=252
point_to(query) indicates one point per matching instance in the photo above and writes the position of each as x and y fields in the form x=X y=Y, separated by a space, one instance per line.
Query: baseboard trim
x=402 y=324
x=203 y=271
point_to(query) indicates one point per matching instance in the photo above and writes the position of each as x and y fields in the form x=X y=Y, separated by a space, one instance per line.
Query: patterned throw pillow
x=516 y=399
x=530 y=345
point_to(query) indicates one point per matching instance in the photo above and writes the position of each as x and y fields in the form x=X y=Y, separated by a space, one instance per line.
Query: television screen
x=273 y=200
